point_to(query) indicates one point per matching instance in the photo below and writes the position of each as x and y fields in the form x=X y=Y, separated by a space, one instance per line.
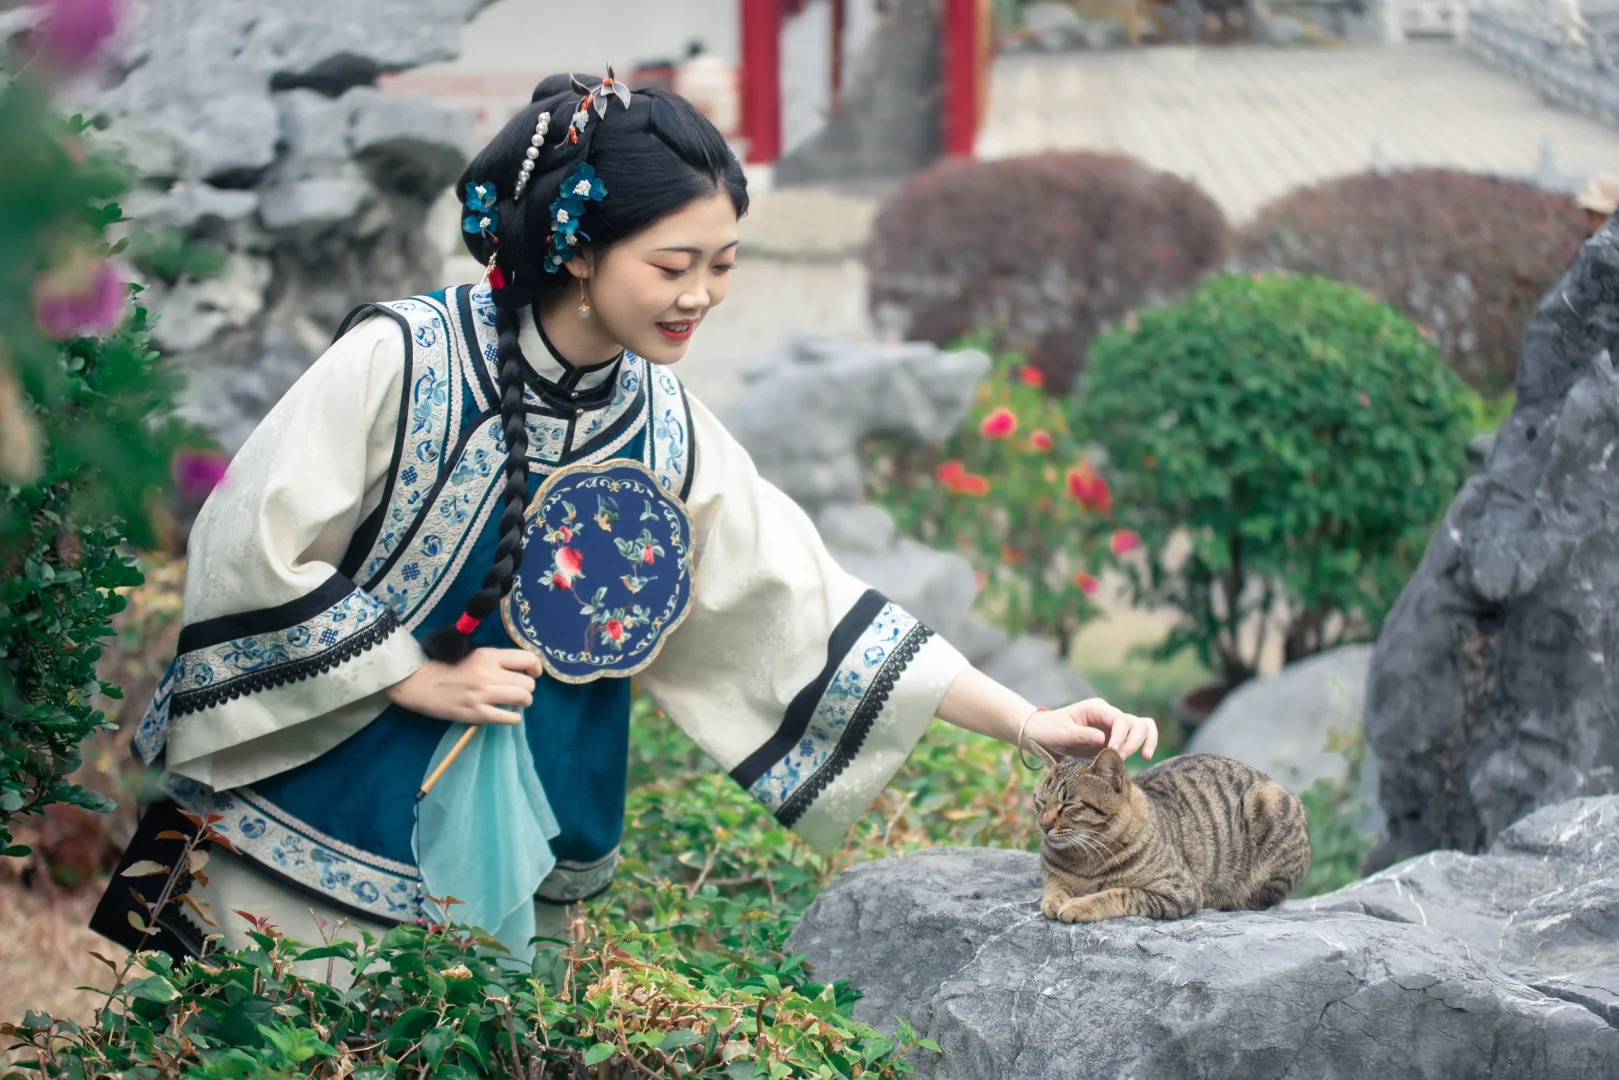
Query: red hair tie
x=467 y=624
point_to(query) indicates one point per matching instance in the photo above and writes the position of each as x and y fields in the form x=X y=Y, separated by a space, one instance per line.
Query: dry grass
x=45 y=949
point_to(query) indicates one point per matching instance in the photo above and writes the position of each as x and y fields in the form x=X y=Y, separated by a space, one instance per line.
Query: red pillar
x=761 y=79
x=961 y=76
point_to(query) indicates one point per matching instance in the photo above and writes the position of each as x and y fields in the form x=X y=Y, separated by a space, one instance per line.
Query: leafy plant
x=172 y=256
x=1467 y=257
x=1011 y=491
x=85 y=440
x=1304 y=437
x=1334 y=805
x=1044 y=249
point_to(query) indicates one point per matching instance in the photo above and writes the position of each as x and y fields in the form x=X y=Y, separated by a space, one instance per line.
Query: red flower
x=998 y=424
x=958 y=481
x=1087 y=584
x=1088 y=489
x=614 y=630
x=565 y=532
x=646 y=554
x=1124 y=541
x=1011 y=555
x=950 y=472
x=558 y=581
x=972 y=484
x=1040 y=439
x=569 y=566
x=1032 y=376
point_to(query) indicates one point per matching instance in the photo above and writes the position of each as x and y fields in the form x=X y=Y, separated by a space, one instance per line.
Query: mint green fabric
x=486 y=826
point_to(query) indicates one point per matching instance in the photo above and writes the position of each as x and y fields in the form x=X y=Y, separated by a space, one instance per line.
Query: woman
x=339 y=632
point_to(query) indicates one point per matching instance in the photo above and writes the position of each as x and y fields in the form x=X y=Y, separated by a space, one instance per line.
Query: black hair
x=654 y=157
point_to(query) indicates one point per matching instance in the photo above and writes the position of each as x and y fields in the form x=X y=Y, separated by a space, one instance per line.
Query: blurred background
x=1150 y=341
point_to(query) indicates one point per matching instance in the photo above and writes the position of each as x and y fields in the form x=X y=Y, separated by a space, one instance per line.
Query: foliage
x=1045 y=249
x=84 y=442
x=1334 y=804
x=1468 y=257
x=1304 y=437
x=1010 y=490
x=172 y=256
x=616 y=1000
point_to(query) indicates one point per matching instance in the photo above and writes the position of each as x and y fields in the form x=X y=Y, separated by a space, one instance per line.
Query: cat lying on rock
x=1192 y=832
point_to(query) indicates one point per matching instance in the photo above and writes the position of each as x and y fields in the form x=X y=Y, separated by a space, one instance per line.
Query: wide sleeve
x=806 y=685
x=282 y=655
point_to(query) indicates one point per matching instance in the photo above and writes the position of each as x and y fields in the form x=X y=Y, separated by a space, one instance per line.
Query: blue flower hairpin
x=481 y=215
x=581 y=187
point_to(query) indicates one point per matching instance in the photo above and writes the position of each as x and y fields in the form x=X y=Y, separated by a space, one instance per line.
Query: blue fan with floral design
x=606 y=572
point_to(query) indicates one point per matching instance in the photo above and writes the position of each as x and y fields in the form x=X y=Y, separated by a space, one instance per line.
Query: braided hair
x=655 y=156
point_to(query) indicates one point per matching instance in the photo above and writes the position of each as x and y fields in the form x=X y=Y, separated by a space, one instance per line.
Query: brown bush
x=1466 y=257
x=1045 y=250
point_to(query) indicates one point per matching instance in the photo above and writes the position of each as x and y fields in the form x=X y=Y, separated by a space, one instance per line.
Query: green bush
x=1467 y=257
x=1304 y=437
x=1009 y=490
x=85 y=441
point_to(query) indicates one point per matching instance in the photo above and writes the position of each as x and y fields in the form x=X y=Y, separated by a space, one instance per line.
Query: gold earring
x=584 y=301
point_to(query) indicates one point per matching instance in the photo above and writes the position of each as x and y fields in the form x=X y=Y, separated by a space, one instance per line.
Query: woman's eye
x=726 y=268
x=671 y=272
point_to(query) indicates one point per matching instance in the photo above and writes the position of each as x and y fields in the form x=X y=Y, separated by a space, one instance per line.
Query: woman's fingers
x=508 y=694
x=494 y=714
x=518 y=660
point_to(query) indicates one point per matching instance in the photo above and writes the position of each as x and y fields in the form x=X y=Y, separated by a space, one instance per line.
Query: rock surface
x=255 y=128
x=1283 y=724
x=1492 y=686
x=805 y=409
x=1345 y=986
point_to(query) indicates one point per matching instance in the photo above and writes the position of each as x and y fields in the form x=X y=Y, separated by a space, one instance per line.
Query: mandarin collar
x=553 y=370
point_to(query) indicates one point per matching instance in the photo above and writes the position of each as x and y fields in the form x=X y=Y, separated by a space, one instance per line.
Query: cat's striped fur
x=1192 y=832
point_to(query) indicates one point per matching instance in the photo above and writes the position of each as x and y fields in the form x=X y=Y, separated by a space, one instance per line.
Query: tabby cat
x=1192 y=832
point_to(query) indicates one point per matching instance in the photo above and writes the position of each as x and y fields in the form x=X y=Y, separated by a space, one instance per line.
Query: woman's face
x=650 y=291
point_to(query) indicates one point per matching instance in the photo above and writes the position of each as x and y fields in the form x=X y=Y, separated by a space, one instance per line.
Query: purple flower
x=198 y=472
x=71 y=32
x=81 y=298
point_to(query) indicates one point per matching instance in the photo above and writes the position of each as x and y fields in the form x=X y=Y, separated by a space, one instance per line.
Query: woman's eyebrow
x=699 y=251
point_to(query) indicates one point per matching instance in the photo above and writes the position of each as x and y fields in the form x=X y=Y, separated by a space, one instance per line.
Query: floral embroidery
x=208 y=677
x=852 y=701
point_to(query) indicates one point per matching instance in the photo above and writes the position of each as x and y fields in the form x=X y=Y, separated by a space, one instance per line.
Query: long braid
x=451 y=644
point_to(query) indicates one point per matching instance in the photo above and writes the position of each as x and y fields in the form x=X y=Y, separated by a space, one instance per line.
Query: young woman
x=340 y=631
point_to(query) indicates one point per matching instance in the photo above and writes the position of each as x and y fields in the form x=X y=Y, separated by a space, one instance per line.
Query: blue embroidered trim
x=207 y=678
x=152 y=735
x=843 y=717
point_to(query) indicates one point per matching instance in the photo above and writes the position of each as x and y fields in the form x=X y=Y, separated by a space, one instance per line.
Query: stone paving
x=1248 y=124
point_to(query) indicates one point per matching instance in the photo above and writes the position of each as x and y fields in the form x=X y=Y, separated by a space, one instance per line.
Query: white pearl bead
x=528 y=166
x=533 y=152
x=538 y=139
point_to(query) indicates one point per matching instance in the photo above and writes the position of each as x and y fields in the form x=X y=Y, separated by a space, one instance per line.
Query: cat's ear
x=1110 y=767
x=1051 y=759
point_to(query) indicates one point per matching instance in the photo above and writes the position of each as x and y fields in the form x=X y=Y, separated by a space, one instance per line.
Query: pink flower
x=569 y=566
x=1088 y=489
x=1032 y=376
x=615 y=631
x=1040 y=439
x=565 y=532
x=83 y=297
x=1086 y=583
x=72 y=32
x=198 y=472
x=998 y=424
x=1124 y=541
x=646 y=554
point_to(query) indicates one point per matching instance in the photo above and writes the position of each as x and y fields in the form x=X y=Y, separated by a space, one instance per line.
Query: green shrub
x=1334 y=805
x=1304 y=437
x=1046 y=249
x=1467 y=257
x=85 y=440
x=1009 y=490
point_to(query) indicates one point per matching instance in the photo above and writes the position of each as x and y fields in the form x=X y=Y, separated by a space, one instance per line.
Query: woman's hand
x=473 y=691
x=1085 y=728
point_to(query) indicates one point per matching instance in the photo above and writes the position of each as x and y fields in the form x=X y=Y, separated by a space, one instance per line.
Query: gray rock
x=192 y=313
x=1282 y=30
x=188 y=206
x=410 y=142
x=1282 y=724
x=1478 y=451
x=1543 y=904
x=1054 y=26
x=1492 y=685
x=314 y=205
x=813 y=400
x=952 y=940
x=1032 y=667
x=935 y=586
x=856 y=527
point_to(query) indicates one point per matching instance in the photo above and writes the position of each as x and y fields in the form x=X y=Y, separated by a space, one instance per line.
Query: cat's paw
x=1080 y=910
x=1052 y=903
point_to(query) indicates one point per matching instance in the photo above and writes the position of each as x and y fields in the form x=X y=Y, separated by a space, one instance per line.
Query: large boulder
x=1348 y=985
x=1492 y=686
x=256 y=128
x=1285 y=724
x=806 y=407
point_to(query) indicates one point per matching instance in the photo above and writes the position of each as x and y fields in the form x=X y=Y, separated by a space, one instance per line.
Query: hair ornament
x=581 y=188
x=535 y=144
x=481 y=214
x=597 y=97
